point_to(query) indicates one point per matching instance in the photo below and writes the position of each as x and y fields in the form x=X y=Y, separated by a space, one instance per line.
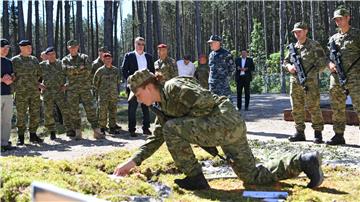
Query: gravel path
x=267 y=132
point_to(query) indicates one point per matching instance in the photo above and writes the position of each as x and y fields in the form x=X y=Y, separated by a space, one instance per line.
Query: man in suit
x=133 y=61
x=243 y=77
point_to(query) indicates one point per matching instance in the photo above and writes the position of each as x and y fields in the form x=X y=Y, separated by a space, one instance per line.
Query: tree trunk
x=49 y=23
x=122 y=29
x=5 y=21
x=115 y=52
x=88 y=30
x=37 y=30
x=108 y=25
x=62 y=46
x=67 y=20
x=177 y=26
x=158 y=22
x=265 y=28
x=149 y=31
x=282 y=38
x=79 y=29
x=325 y=17
x=198 y=27
x=73 y=20
x=312 y=22
x=57 y=27
x=29 y=23
x=133 y=22
x=140 y=15
x=92 y=30
x=96 y=28
x=21 y=23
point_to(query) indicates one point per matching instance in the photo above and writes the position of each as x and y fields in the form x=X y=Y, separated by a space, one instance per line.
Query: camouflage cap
x=299 y=26
x=137 y=79
x=72 y=42
x=341 y=13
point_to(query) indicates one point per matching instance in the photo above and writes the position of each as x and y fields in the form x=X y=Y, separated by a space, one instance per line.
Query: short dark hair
x=187 y=57
x=244 y=49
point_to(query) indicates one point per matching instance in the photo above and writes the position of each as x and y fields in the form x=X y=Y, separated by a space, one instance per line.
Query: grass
x=90 y=176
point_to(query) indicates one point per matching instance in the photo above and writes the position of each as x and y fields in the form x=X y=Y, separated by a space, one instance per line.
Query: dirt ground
x=264 y=123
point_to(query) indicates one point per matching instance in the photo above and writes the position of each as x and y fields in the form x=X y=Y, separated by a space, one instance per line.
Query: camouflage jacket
x=96 y=64
x=349 y=45
x=167 y=68
x=183 y=97
x=53 y=76
x=27 y=73
x=106 y=81
x=77 y=70
x=312 y=56
x=202 y=75
x=222 y=67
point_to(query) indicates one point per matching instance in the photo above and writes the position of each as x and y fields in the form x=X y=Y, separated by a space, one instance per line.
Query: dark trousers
x=243 y=83
x=132 y=106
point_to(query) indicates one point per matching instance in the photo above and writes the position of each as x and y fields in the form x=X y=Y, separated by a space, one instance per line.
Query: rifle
x=296 y=61
x=335 y=57
x=213 y=151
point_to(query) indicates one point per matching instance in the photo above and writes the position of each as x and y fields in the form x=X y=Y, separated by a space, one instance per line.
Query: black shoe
x=117 y=127
x=133 y=134
x=52 y=135
x=318 y=137
x=193 y=183
x=35 y=138
x=338 y=139
x=310 y=164
x=70 y=133
x=146 y=131
x=20 y=140
x=298 y=136
x=103 y=130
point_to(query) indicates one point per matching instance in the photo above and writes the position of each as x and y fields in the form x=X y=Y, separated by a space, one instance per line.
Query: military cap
x=72 y=42
x=49 y=49
x=24 y=43
x=107 y=55
x=341 y=13
x=103 y=49
x=137 y=79
x=214 y=38
x=162 y=46
x=4 y=43
x=299 y=26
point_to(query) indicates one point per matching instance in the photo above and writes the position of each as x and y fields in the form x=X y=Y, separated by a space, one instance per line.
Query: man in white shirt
x=185 y=66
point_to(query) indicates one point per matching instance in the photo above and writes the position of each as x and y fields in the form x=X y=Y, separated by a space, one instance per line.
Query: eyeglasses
x=140 y=44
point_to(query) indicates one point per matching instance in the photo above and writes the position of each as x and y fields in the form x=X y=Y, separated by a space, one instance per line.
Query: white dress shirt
x=185 y=70
x=141 y=60
x=243 y=61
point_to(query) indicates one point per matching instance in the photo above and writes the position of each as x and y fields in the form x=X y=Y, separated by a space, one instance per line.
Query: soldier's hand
x=124 y=168
x=291 y=69
x=332 y=67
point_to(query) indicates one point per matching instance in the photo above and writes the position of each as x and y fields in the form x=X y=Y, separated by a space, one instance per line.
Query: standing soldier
x=313 y=61
x=99 y=61
x=221 y=66
x=106 y=82
x=347 y=42
x=77 y=69
x=27 y=74
x=54 y=93
x=202 y=71
x=165 y=64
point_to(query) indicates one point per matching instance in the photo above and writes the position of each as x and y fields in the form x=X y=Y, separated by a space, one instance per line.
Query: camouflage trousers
x=107 y=109
x=83 y=96
x=222 y=89
x=227 y=130
x=310 y=99
x=338 y=100
x=59 y=99
x=23 y=102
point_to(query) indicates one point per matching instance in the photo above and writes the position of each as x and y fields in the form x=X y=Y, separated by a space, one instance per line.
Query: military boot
x=70 y=133
x=20 y=139
x=318 y=137
x=298 y=136
x=78 y=134
x=98 y=134
x=338 y=139
x=310 y=164
x=193 y=183
x=52 y=135
x=103 y=130
x=35 y=138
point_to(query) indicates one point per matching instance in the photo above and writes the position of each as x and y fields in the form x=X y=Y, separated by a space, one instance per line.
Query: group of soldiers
x=314 y=59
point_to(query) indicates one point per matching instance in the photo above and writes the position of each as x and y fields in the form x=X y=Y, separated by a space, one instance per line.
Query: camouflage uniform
x=349 y=46
x=106 y=82
x=54 y=78
x=221 y=68
x=167 y=68
x=202 y=75
x=27 y=72
x=203 y=118
x=96 y=64
x=77 y=69
x=313 y=60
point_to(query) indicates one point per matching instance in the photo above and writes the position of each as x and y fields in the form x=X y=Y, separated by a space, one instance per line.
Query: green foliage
x=257 y=47
x=257 y=84
x=273 y=63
